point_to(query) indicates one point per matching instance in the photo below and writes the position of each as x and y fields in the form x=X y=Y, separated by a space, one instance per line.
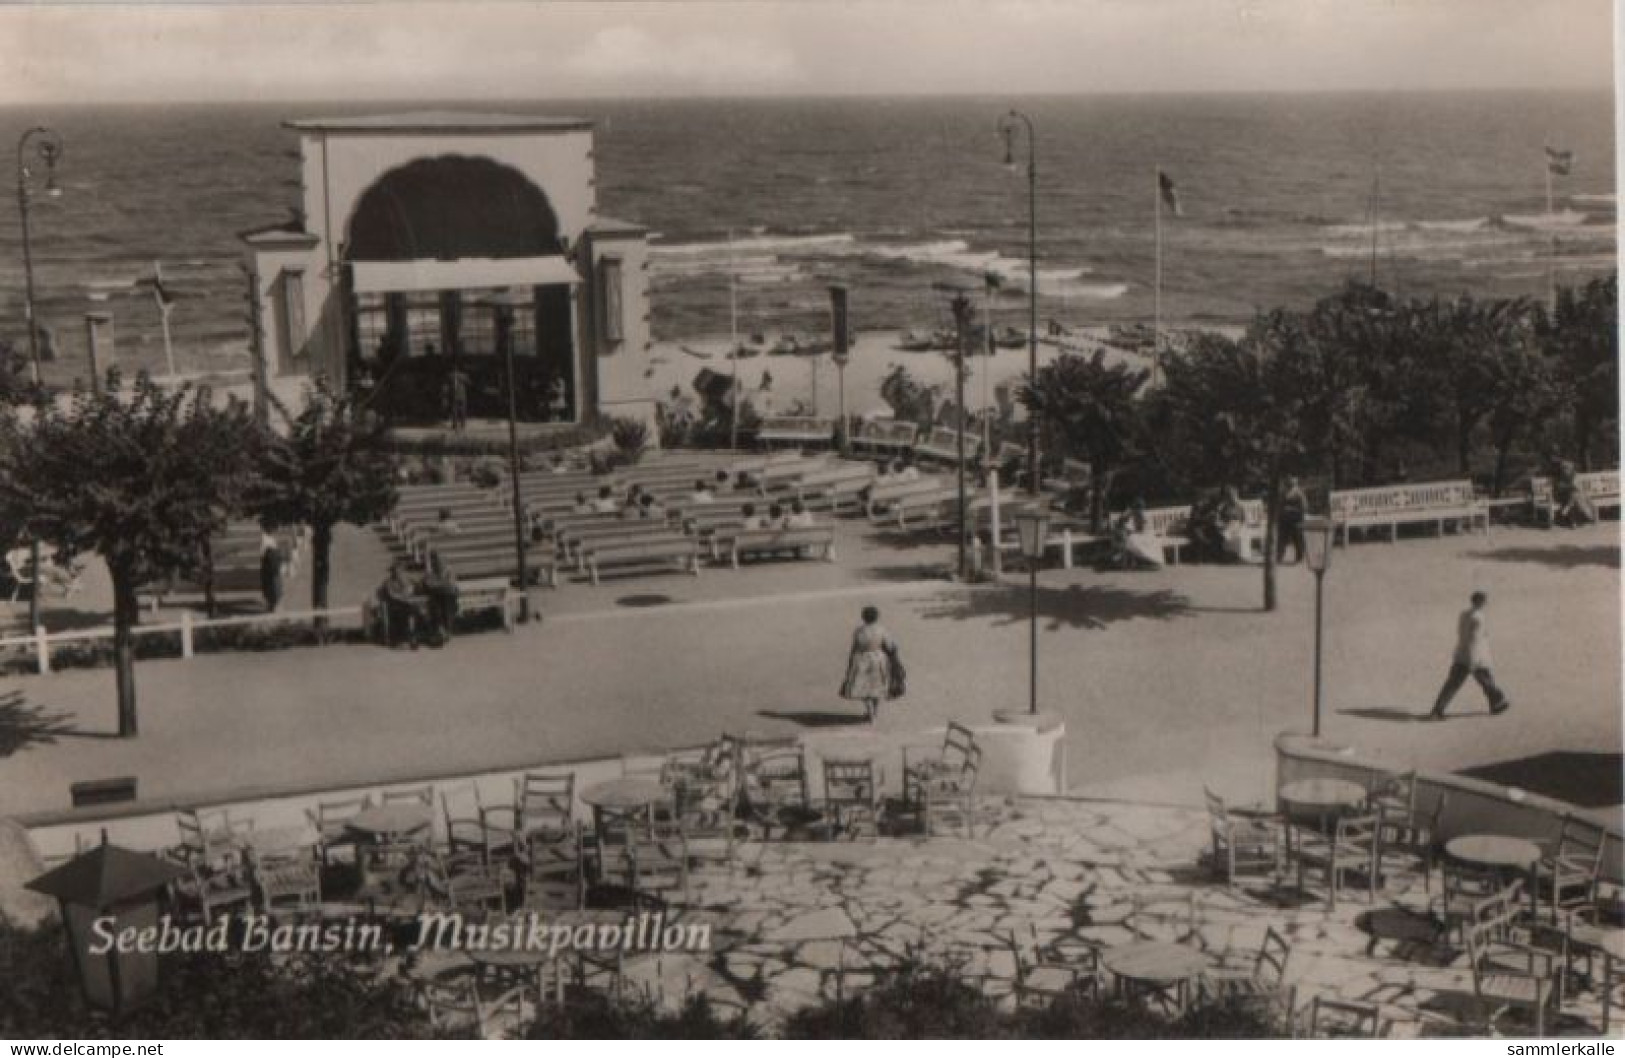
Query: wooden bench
x=1066 y=535
x=541 y=565
x=837 y=487
x=1431 y=503
x=685 y=551
x=796 y=430
x=890 y=438
x=929 y=510
x=574 y=542
x=943 y=446
x=488 y=593
x=887 y=491
x=787 y=475
x=774 y=541
x=1600 y=487
x=1171 y=527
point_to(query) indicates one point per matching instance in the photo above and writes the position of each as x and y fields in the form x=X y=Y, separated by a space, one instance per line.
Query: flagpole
x=1156 y=297
x=733 y=345
x=163 y=315
x=1551 y=235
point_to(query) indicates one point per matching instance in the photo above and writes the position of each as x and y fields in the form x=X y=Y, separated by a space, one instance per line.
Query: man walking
x=1472 y=658
x=1289 y=525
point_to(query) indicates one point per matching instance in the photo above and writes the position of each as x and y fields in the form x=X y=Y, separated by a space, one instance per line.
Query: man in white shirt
x=1472 y=658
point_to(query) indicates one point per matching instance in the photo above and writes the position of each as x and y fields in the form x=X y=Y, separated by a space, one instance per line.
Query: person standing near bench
x=1289 y=524
x=1472 y=658
x=440 y=589
x=270 y=571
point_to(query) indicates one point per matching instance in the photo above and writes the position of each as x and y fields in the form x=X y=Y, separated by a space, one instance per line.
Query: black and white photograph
x=879 y=519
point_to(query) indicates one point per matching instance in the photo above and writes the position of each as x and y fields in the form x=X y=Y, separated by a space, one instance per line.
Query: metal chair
x=1408 y=831
x=1333 y=1019
x=705 y=798
x=1508 y=972
x=944 y=784
x=467 y=884
x=1261 y=981
x=289 y=882
x=485 y=830
x=1047 y=973
x=773 y=787
x=1355 y=845
x=1567 y=877
x=852 y=801
x=331 y=821
x=1241 y=843
x=544 y=804
x=208 y=834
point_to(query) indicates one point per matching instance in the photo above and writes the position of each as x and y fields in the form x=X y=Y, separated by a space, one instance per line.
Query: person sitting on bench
x=583 y=504
x=445 y=524
x=775 y=517
x=649 y=510
x=403 y=609
x=1570 y=507
x=799 y=517
x=752 y=520
x=702 y=492
x=440 y=589
x=605 y=504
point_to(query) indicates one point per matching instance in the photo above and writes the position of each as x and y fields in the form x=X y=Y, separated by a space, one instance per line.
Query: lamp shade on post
x=1317 y=541
x=104 y=892
x=1032 y=527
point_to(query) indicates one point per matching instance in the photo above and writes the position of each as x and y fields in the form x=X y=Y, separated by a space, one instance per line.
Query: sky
x=400 y=49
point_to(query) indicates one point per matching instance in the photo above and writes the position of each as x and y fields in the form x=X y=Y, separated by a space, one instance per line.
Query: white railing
x=41 y=641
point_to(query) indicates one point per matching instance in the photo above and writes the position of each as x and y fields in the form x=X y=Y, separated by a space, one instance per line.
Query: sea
x=1281 y=199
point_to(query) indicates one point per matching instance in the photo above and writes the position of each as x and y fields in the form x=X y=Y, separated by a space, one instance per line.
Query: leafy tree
x=909 y=399
x=1581 y=334
x=1090 y=407
x=328 y=468
x=141 y=478
x=1525 y=390
x=1236 y=409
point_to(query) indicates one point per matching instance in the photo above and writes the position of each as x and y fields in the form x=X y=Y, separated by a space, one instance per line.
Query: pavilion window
x=293 y=309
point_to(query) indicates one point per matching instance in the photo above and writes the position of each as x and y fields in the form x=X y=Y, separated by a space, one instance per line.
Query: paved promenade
x=1167 y=679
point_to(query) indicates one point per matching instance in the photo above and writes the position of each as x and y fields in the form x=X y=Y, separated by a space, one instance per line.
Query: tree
x=1090 y=407
x=1581 y=334
x=142 y=479
x=1236 y=409
x=910 y=401
x=329 y=468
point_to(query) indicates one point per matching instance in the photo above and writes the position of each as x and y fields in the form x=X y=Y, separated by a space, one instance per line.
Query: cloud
x=631 y=56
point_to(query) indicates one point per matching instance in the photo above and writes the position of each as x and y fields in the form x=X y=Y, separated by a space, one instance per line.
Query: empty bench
x=796 y=430
x=681 y=550
x=1438 y=503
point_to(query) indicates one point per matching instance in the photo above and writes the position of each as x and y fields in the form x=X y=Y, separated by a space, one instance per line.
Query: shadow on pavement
x=23 y=725
x=1385 y=713
x=809 y=718
x=1588 y=780
x=1566 y=557
x=1075 y=606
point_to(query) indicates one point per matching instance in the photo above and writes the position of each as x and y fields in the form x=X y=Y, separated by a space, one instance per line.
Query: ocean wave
x=1090 y=291
x=1473 y=224
x=1568 y=218
x=1363 y=231
x=752 y=244
x=1607 y=199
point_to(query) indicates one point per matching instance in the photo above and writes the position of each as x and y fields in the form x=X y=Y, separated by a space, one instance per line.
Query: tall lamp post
x=47 y=146
x=1007 y=128
x=1317 y=539
x=1032 y=526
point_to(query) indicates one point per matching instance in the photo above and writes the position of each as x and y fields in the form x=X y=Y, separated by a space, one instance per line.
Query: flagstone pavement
x=797 y=921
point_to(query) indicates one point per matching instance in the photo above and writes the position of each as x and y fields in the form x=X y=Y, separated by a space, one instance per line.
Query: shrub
x=235 y=995
x=593 y=1016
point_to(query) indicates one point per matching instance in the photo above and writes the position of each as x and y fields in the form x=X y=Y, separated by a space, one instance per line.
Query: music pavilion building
x=436 y=242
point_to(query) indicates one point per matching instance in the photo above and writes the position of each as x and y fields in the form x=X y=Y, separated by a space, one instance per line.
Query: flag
x=1170 y=194
x=1558 y=163
x=993 y=280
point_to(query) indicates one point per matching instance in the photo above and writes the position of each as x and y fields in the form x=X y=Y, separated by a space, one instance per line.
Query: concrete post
x=186 y=634
x=997 y=564
x=42 y=645
x=98 y=329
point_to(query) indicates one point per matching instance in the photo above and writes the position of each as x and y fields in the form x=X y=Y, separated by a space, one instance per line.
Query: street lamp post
x=1007 y=128
x=47 y=145
x=1032 y=526
x=1317 y=539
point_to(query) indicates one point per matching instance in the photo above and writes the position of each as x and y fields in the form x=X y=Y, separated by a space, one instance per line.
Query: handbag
x=897 y=684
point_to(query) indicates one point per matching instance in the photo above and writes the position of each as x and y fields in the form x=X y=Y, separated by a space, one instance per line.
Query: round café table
x=1154 y=967
x=617 y=800
x=1318 y=800
x=1501 y=856
x=278 y=841
x=389 y=824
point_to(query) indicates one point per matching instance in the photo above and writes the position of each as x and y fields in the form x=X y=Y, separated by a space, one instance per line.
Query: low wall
x=1471 y=806
x=1025 y=755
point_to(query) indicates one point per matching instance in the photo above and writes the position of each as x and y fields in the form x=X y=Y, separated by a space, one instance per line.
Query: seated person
x=1206 y=528
x=702 y=493
x=1133 y=545
x=446 y=524
x=775 y=517
x=605 y=504
x=440 y=589
x=905 y=470
x=403 y=609
x=558 y=465
x=649 y=509
x=752 y=520
x=1570 y=507
x=583 y=505
x=721 y=482
x=799 y=517
x=1233 y=526
x=744 y=482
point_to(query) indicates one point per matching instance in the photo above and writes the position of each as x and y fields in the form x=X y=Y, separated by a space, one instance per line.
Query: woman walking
x=873 y=671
